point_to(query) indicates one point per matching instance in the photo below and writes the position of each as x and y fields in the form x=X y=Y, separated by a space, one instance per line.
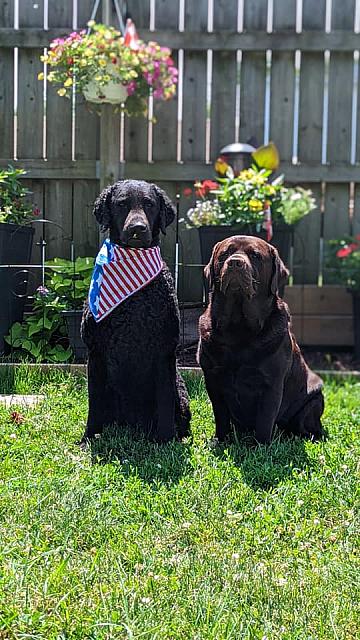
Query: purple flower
x=131 y=88
x=42 y=291
x=159 y=92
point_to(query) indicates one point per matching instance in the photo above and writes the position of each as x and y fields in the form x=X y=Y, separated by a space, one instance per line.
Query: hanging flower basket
x=107 y=67
x=112 y=92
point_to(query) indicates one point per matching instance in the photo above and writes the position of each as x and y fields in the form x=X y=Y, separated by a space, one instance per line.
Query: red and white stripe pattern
x=127 y=271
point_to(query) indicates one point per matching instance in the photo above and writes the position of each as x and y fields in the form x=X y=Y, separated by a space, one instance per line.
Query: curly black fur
x=132 y=372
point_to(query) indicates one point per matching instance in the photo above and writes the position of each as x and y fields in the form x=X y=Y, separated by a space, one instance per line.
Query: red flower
x=36 y=211
x=204 y=187
x=114 y=60
x=345 y=251
x=187 y=192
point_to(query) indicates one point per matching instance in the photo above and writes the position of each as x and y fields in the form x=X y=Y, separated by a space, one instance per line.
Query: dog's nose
x=137 y=229
x=238 y=262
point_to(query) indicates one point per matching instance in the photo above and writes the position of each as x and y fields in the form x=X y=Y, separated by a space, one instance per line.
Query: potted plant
x=102 y=66
x=51 y=333
x=71 y=281
x=16 y=238
x=343 y=261
x=247 y=204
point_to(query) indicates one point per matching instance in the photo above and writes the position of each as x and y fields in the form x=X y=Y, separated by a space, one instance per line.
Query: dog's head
x=134 y=212
x=248 y=271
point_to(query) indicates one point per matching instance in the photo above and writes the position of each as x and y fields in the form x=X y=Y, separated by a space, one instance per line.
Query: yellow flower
x=40 y=76
x=246 y=174
x=68 y=82
x=102 y=62
x=44 y=58
x=91 y=23
x=83 y=62
x=89 y=53
x=270 y=190
x=255 y=205
x=61 y=92
x=51 y=76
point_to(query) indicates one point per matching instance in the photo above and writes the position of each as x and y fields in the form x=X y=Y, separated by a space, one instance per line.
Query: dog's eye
x=148 y=205
x=256 y=255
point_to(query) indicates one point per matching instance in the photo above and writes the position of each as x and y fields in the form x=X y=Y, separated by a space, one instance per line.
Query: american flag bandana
x=118 y=274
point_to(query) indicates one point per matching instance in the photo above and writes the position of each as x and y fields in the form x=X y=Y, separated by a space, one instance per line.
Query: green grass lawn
x=134 y=540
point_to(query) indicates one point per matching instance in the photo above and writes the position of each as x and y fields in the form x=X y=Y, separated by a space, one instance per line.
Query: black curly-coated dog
x=132 y=372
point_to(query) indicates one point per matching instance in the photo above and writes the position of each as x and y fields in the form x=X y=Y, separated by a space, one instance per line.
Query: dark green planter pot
x=210 y=235
x=73 y=323
x=356 y=322
x=15 y=248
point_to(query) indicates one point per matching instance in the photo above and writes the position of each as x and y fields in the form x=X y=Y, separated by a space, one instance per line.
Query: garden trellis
x=285 y=70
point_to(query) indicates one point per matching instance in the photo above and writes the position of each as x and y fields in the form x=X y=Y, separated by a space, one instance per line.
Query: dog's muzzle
x=136 y=231
x=237 y=275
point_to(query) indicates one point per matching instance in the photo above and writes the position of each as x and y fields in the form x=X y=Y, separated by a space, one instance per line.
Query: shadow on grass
x=266 y=466
x=153 y=463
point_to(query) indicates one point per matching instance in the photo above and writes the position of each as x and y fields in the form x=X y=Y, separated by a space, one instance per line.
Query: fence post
x=109 y=129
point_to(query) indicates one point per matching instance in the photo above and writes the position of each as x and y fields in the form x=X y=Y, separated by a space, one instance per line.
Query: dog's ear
x=280 y=273
x=167 y=209
x=102 y=208
x=209 y=270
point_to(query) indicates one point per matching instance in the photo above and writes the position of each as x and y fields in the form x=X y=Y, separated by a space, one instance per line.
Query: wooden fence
x=285 y=70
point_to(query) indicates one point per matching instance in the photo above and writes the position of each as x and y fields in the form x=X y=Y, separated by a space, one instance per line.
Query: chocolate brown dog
x=254 y=372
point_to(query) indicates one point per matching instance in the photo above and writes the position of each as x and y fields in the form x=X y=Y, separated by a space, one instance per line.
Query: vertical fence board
x=340 y=105
x=253 y=74
x=223 y=101
x=58 y=109
x=86 y=230
x=340 y=87
x=343 y=14
x=255 y=14
x=284 y=15
x=7 y=102
x=314 y=15
x=31 y=14
x=58 y=203
x=283 y=83
x=136 y=129
x=86 y=117
x=356 y=220
x=306 y=243
x=309 y=145
x=85 y=8
x=336 y=219
x=7 y=13
x=60 y=14
x=30 y=105
x=165 y=127
x=311 y=88
x=194 y=108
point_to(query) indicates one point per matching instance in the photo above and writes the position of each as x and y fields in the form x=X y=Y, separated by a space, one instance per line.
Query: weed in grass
x=128 y=539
